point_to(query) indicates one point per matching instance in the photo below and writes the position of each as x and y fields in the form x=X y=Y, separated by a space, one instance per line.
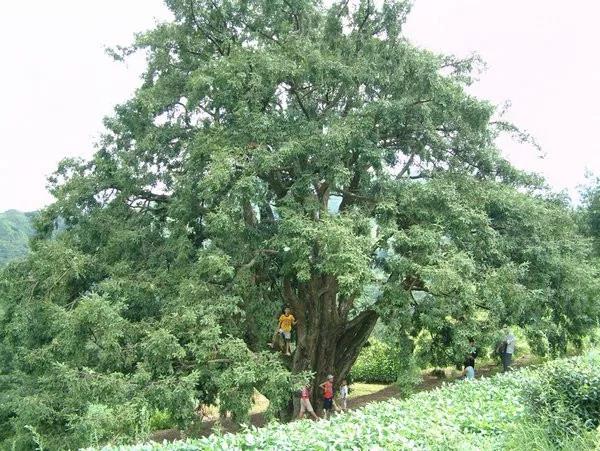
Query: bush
x=161 y=419
x=377 y=363
x=532 y=435
x=103 y=424
x=409 y=376
x=380 y=362
x=566 y=394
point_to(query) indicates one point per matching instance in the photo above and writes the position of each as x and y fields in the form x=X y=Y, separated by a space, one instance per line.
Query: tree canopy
x=277 y=152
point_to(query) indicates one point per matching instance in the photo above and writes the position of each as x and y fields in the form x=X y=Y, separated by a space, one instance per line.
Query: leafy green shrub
x=538 y=342
x=161 y=419
x=566 y=394
x=381 y=362
x=409 y=376
x=531 y=434
x=103 y=424
x=378 y=362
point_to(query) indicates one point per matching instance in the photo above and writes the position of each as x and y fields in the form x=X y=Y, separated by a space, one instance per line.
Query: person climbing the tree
x=328 y=402
x=286 y=321
x=344 y=394
x=305 y=405
x=275 y=341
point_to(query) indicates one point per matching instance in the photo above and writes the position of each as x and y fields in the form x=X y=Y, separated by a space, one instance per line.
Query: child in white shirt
x=344 y=394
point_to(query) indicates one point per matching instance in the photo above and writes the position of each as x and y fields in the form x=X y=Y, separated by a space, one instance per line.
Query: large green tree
x=278 y=151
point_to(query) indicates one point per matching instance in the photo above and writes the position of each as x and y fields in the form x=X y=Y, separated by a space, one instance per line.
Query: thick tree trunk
x=328 y=341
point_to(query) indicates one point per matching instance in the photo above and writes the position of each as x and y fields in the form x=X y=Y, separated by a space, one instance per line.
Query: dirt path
x=430 y=382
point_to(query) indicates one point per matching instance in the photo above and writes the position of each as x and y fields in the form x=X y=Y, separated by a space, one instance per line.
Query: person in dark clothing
x=508 y=349
x=472 y=350
x=469 y=362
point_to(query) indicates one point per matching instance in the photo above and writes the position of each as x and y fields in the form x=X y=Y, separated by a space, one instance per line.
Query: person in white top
x=508 y=349
x=344 y=394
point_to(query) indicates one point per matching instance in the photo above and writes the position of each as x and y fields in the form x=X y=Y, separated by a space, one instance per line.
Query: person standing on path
x=344 y=395
x=469 y=368
x=328 y=402
x=508 y=349
x=305 y=405
x=472 y=350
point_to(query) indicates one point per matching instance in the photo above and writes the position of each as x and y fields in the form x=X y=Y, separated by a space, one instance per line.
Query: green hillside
x=15 y=230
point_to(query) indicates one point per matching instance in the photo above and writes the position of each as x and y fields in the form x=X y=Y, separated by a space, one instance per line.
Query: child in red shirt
x=328 y=402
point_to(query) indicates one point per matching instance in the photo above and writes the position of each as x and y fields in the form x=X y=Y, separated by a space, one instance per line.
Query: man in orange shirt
x=286 y=321
x=328 y=402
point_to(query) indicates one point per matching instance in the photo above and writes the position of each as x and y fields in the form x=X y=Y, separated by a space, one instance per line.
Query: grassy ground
x=359 y=389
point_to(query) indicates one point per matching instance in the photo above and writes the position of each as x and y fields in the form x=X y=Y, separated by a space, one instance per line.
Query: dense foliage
x=564 y=396
x=589 y=212
x=15 y=230
x=277 y=151
x=482 y=415
x=378 y=362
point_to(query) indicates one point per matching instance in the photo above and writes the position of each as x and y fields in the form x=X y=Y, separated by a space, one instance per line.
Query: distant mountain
x=15 y=230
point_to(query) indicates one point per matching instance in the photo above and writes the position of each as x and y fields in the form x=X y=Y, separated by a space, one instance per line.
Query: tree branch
x=345 y=305
x=346 y=200
x=355 y=334
x=407 y=165
x=367 y=15
x=95 y=339
x=420 y=102
x=485 y=307
x=362 y=316
x=288 y=293
x=201 y=30
x=293 y=91
x=294 y=15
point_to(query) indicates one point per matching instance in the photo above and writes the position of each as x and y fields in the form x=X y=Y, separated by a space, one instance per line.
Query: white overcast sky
x=56 y=82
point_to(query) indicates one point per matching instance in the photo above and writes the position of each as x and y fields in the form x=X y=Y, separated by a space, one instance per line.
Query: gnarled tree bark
x=328 y=342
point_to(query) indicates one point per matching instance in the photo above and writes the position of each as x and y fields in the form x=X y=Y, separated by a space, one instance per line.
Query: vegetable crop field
x=488 y=414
